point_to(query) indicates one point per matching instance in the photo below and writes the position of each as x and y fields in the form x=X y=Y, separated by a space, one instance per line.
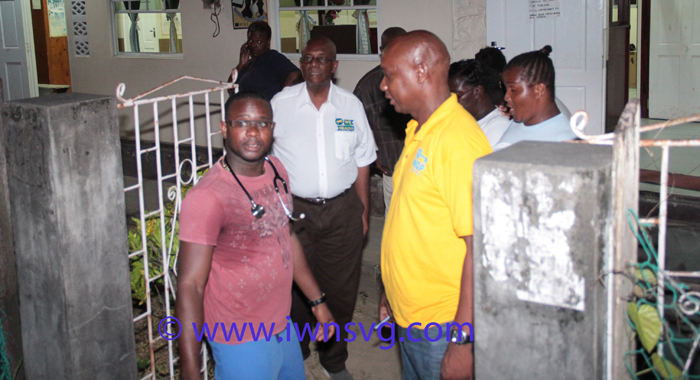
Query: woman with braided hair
x=529 y=81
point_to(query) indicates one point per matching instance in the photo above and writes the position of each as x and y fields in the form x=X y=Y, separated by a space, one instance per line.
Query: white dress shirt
x=321 y=148
x=494 y=125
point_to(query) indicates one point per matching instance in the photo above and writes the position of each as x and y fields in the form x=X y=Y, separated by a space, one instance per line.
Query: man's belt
x=322 y=201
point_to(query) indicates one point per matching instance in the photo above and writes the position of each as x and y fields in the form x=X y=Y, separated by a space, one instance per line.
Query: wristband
x=318 y=301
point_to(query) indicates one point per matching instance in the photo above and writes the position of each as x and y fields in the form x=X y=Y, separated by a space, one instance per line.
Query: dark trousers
x=332 y=238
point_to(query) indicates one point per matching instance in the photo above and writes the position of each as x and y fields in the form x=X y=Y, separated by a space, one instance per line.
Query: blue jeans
x=421 y=360
x=261 y=360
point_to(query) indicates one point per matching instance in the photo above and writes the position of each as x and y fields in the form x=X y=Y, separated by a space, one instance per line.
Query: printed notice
x=544 y=8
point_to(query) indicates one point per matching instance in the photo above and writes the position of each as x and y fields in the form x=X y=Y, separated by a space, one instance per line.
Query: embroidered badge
x=345 y=125
x=419 y=162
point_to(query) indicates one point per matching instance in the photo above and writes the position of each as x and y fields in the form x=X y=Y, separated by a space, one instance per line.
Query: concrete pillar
x=67 y=196
x=9 y=298
x=541 y=240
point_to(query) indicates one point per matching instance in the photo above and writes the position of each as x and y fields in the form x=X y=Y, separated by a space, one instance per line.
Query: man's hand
x=458 y=363
x=380 y=168
x=323 y=315
x=384 y=308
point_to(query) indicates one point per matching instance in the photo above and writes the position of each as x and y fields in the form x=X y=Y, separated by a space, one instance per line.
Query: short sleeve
x=366 y=149
x=201 y=218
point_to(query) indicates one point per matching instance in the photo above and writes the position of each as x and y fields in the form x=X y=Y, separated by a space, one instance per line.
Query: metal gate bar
x=174 y=194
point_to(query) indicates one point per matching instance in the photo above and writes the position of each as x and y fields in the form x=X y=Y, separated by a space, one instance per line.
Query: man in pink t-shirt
x=238 y=257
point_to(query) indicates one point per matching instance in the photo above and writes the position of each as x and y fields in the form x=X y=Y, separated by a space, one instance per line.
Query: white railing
x=161 y=276
x=578 y=123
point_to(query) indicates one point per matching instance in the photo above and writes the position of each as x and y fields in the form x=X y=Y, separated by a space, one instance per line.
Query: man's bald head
x=422 y=47
x=389 y=36
x=322 y=42
x=415 y=67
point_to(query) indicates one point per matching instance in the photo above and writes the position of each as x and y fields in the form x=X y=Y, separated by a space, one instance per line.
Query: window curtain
x=172 y=4
x=304 y=29
x=134 y=30
x=363 y=45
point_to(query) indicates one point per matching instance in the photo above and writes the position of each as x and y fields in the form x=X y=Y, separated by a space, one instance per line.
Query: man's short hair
x=262 y=27
x=248 y=94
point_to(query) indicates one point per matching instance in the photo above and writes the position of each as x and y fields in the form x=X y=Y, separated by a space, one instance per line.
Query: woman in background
x=529 y=81
x=479 y=91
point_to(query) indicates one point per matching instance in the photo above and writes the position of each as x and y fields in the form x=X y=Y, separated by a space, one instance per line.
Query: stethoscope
x=258 y=210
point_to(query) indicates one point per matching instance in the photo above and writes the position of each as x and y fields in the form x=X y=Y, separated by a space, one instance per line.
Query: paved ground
x=367 y=360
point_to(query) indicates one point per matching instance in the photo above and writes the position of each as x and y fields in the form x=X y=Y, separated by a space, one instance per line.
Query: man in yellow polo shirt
x=427 y=241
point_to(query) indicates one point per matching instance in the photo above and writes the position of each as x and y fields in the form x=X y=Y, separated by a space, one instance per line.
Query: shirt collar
x=305 y=99
x=434 y=119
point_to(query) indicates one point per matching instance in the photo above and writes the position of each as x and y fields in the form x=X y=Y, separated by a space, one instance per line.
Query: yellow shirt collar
x=445 y=109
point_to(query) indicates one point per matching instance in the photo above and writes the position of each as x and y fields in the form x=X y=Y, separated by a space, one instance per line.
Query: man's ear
x=478 y=91
x=222 y=125
x=539 y=90
x=335 y=66
x=421 y=72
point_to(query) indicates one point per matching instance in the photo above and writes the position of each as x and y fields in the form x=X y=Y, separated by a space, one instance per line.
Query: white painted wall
x=213 y=58
x=459 y=23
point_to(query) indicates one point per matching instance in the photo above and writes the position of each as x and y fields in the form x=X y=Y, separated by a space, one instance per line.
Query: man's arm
x=193 y=268
x=362 y=188
x=307 y=283
x=458 y=362
x=293 y=78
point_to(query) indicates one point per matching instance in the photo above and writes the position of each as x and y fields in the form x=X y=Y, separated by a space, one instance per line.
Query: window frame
x=115 y=41
x=274 y=21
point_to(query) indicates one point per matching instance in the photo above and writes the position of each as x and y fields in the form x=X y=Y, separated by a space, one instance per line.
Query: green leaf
x=649 y=327
x=650 y=277
x=632 y=312
x=659 y=366
x=645 y=275
x=143 y=363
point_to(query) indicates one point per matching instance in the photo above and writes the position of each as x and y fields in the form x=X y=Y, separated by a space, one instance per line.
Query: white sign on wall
x=544 y=8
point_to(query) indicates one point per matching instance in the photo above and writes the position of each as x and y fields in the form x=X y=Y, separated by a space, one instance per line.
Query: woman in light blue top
x=529 y=81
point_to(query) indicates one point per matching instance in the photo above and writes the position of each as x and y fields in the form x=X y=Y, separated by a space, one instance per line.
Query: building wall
x=459 y=23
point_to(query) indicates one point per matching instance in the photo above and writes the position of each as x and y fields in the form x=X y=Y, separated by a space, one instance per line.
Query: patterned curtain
x=134 y=30
x=134 y=33
x=173 y=32
x=363 y=45
x=172 y=4
x=304 y=29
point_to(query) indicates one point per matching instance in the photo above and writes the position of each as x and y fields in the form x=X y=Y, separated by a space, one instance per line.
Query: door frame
x=643 y=58
x=29 y=47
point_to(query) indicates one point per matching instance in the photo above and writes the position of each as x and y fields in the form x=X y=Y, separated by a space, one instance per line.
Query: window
x=351 y=24
x=147 y=27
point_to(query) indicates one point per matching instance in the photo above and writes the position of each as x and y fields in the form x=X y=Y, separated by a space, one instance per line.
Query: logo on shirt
x=419 y=162
x=345 y=125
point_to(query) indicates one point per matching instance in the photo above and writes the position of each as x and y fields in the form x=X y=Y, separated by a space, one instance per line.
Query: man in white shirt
x=323 y=139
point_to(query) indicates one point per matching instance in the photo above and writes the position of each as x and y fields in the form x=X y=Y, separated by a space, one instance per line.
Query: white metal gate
x=154 y=236
x=684 y=300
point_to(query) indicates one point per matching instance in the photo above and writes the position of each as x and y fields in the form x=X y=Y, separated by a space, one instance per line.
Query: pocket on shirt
x=344 y=145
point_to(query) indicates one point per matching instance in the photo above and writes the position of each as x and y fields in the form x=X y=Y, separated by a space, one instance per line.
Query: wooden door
x=617 y=73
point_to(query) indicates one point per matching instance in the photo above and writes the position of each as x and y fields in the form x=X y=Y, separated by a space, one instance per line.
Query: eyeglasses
x=322 y=61
x=247 y=124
